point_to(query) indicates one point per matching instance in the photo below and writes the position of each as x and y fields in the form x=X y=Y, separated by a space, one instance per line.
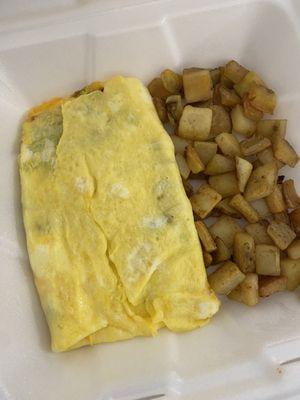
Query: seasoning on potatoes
x=225 y=278
x=204 y=200
x=247 y=291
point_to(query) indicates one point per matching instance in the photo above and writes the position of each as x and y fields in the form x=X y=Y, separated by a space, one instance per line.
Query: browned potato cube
x=225 y=228
x=205 y=237
x=268 y=127
x=204 y=200
x=247 y=291
x=240 y=123
x=261 y=207
x=243 y=207
x=284 y=152
x=207 y=258
x=174 y=108
x=215 y=75
x=281 y=234
x=262 y=98
x=187 y=187
x=291 y=197
x=193 y=161
x=228 y=97
x=160 y=106
x=267 y=259
x=243 y=172
x=244 y=252
x=234 y=71
x=249 y=80
x=293 y=251
x=225 y=208
x=282 y=217
x=224 y=81
x=259 y=232
x=219 y=164
x=171 y=81
x=182 y=166
x=225 y=184
x=195 y=123
x=228 y=144
x=254 y=145
x=275 y=200
x=180 y=144
x=267 y=156
x=225 y=278
x=291 y=269
x=295 y=220
x=223 y=253
x=250 y=111
x=262 y=182
x=271 y=284
x=197 y=84
x=157 y=89
x=221 y=121
x=205 y=150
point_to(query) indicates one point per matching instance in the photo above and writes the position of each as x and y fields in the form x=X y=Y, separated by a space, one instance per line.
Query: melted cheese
x=110 y=231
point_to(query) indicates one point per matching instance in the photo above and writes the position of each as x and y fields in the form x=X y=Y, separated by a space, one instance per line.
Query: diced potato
x=267 y=259
x=250 y=111
x=225 y=228
x=195 y=123
x=180 y=144
x=182 y=165
x=291 y=269
x=171 y=81
x=205 y=150
x=225 y=208
x=295 y=220
x=256 y=163
x=225 y=184
x=223 y=253
x=281 y=234
x=244 y=86
x=174 y=108
x=221 y=121
x=259 y=232
x=204 y=200
x=188 y=187
x=267 y=156
x=262 y=98
x=215 y=75
x=262 y=182
x=244 y=252
x=282 y=217
x=291 y=197
x=160 y=106
x=293 y=251
x=207 y=258
x=224 y=81
x=240 y=123
x=243 y=172
x=228 y=97
x=254 y=145
x=261 y=207
x=243 y=207
x=234 y=71
x=219 y=164
x=247 y=291
x=205 y=237
x=225 y=278
x=284 y=152
x=197 y=84
x=268 y=127
x=275 y=200
x=271 y=284
x=157 y=89
x=228 y=144
x=193 y=161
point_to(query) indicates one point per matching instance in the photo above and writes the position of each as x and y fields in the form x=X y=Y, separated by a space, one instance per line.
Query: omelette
x=110 y=232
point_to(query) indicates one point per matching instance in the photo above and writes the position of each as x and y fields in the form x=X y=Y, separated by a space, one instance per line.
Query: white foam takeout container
x=51 y=48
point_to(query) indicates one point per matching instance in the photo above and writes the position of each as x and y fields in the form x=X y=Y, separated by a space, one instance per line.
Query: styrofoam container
x=51 y=48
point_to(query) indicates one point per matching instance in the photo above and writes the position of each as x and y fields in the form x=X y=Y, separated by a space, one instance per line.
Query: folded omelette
x=110 y=232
